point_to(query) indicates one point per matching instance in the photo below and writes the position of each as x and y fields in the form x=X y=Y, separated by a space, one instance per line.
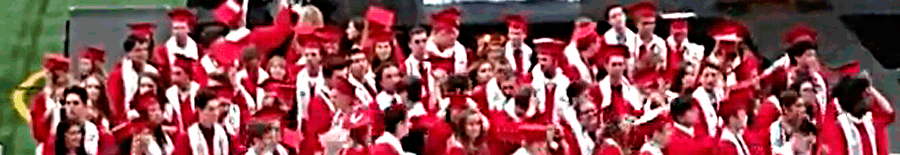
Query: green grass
x=34 y=27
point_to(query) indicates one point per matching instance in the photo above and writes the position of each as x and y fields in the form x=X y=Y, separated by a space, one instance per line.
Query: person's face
x=591 y=51
x=739 y=120
x=76 y=107
x=616 y=66
x=646 y=25
x=331 y=47
x=359 y=64
x=485 y=73
x=146 y=85
x=446 y=37
x=140 y=52
x=403 y=128
x=797 y=110
x=617 y=17
x=340 y=100
x=383 y=50
x=270 y=138
x=516 y=36
x=92 y=85
x=73 y=137
x=179 y=76
x=808 y=58
x=210 y=113
x=508 y=87
x=679 y=33
x=808 y=91
x=473 y=126
x=155 y=114
x=86 y=65
x=690 y=75
x=417 y=42
x=351 y=31
x=340 y=73
x=276 y=69
x=390 y=77
x=545 y=60
x=710 y=78
x=312 y=56
x=692 y=116
x=180 y=31
x=588 y=116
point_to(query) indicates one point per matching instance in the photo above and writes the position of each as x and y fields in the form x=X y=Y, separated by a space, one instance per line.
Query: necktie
x=620 y=39
x=712 y=99
x=517 y=53
x=369 y=88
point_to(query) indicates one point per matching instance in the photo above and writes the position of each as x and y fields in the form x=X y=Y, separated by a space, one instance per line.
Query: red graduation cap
x=342 y=86
x=143 y=29
x=181 y=15
x=747 y=68
x=441 y=64
x=585 y=30
x=527 y=132
x=223 y=91
x=446 y=19
x=229 y=13
x=548 y=46
x=661 y=121
x=643 y=10
x=379 y=17
x=380 y=36
x=728 y=31
x=679 y=21
x=736 y=101
x=800 y=32
x=458 y=101
x=282 y=91
x=226 y=54
x=145 y=101
x=268 y=115
x=128 y=130
x=329 y=33
x=93 y=53
x=185 y=64
x=647 y=80
x=516 y=21
x=55 y=62
x=614 y=50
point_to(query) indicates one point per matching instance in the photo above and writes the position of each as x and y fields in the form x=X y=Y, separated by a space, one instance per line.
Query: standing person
x=619 y=34
x=587 y=44
x=681 y=50
x=179 y=44
x=390 y=82
x=469 y=134
x=122 y=83
x=92 y=59
x=361 y=76
x=207 y=136
x=550 y=78
x=418 y=36
x=180 y=95
x=797 y=34
x=47 y=100
x=322 y=124
x=383 y=49
x=73 y=113
x=709 y=95
x=518 y=54
x=651 y=51
x=615 y=95
x=396 y=127
x=734 y=115
x=97 y=100
x=588 y=118
x=793 y=113
x=685 y=114
x=442 y=46
x=861 y=128
x=310 y=78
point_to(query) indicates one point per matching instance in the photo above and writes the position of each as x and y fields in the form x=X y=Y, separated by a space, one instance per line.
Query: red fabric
x=479 y=95
x=864 y=138
x=188 y=113
x=438 y=134
x=377 y=149
x=684 y=144
x=726 y=148
x=318 y=122
x=830 y=129
x=268 y=38
x=40 y=129
x=115 y=92
x=673 y=63
x=618 y=108
x=160 y=59
x=606 y=149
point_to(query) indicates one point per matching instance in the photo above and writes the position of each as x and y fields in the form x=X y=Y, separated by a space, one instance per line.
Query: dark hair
x=203 y=97
x=132 y=40
x=392 y=116
x=460 y=120
x=330 y=64
x=379 y=73
x=61 y=129
x=249 y=53
x=807 y=127
x=81 y=92
x=207 y=32
x=413 y=88
x=458 y=82
x=102 y=103
x=798 y=50
x=577 y=88
x=417 y=30
x=680 y=106
x=221 y=78
x=788 y=98
x=609 y=8
x=800 y=78
x=523 y=97
x=160 y=90
x=583 y=43
x=677 y=84
x=474 y=67
x=849 y=91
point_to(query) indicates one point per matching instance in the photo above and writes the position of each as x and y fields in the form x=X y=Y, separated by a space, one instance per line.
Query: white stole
x=306 y=85
x=154 y=148
x=511 y=58
x=208 y=64
x=852 y=135
x=628 y=92
x=495 y=97
x=198 y=142
x=91 y=134
x=360 y=90
x=172 y=94
x=709 y=112
x=656 y=46
x=232 y=122
x=457 y=52
x=278 y=149
x=540 y=83
x=189 y=51
x=130 y=79
x=735 y=139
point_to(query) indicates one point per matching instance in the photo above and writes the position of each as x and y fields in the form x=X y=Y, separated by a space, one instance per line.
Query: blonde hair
x=310 y=16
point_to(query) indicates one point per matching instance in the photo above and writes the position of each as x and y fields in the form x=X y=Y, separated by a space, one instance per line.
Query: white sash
x=457 y=52
x=629 y=93
x=852 y=135
x=736 y=140
x=198 y=142
x=189 y=51
x=511 y=58
x=707 y=109
x=495 y=97
x=232 y=121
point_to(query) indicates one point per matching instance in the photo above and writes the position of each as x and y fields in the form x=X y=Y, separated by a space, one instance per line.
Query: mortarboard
x=229 y=13
x=181 y=15
x=145 y=101
x=128 y=130
x=329 y=33
x=143 y=29
x=678 y=20
x=643 y=10
x=93 y=53
x=446 y=19
x=55 y=62
x=226 y=54
x=728 y=31
x=342 y=86
x=516 y=21
x=799 y=33
x=549 y=46
x=380 y=18
x=735 y=102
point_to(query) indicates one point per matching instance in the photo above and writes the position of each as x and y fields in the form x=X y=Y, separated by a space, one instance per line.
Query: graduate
x=681 y=50
x=442 y=45
x=861 y=127
x=207 y=136
x=619 y=34
x=181 y=94
x=685 y=113
x=709 y=94
x=73 y=114
x=390 y=82
x=396 y=127
x=179 y=44
x=651 y=51
x=265 y=133
x=361 y=76
x=418 y=36
x=734 y=115
x=122 y=83
x=47 y=100
x=517 y=53
x=551 y=76
x=614 y=94
x=91 y=60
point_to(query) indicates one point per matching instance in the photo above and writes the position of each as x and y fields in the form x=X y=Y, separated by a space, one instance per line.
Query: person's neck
x=647 y=37
x=445 y=46
x=313 y=70
x=206 y=125
x=615 y=81
x=734 y=130
x=360 y=77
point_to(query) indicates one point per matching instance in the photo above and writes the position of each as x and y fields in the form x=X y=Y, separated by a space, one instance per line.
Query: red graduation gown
x=115 y=92
x=40 y=127
x=682 y=143
x=376 y=149
x=318 y=122
x=831 y=134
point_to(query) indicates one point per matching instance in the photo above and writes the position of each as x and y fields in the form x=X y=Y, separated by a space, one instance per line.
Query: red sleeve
x=115 y=91
x=269 y=38
x=199 y=74
x=725 y=148
x=607 y=150
x=161 y=61
x=766 y=114
x=182 y=144
x=40 y=130
x=436 y=142
x=319 y=118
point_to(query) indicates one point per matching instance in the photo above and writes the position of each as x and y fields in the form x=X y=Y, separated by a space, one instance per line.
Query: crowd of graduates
x=298 y=85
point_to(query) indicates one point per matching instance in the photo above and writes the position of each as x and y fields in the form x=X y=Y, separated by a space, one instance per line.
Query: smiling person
x=123 y=82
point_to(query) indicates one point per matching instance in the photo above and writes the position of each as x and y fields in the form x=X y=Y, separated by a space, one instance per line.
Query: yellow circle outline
x=18 y=96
